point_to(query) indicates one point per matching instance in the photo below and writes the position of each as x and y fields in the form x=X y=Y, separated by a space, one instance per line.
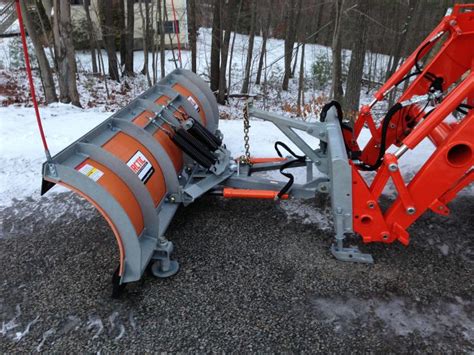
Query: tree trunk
x=108 y=35
x=232 y=46
x=65 y=54
x=319 y=19
x=216 y=45
x=266 y=30
x=90 y=28
x=45 y=69
x=295 y=61
x=145 y=31
x=119 y=25
x=162 y=39
x=300 y=101
x=192 y=33
x=227 y=25
x=336 y=88
x=248 y=62
x=356 y=66
x=165 y=13
x=129 y=38
x=289 y=41
x=66 y=31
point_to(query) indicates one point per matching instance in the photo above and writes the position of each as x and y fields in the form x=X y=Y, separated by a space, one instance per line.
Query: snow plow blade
x=128 y=166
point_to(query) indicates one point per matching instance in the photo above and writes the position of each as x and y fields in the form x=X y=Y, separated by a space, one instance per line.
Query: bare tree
x=290 y=37
x=91 y=30
x=120 y=29
x=265 y=33
x=356 y=66
x=65 y=54
x=45 y=69
x=170 y=38
x=145 y=17
x=106 y=13
x=336 y=88
x=229 y=84
x=227 y=25
x=300 y=101
x=162 y=37
x=192 y=33
x=216 y=45
x=130 y=28
x=248 y=62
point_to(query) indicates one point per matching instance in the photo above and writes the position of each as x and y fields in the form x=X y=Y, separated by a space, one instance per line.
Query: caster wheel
x=161 y=270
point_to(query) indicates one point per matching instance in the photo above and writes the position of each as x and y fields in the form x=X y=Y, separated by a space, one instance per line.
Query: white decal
x=194 y=103
x=91 y=172
x=141 y=166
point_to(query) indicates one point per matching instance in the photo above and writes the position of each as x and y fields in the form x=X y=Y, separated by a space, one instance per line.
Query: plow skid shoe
x=127 y=167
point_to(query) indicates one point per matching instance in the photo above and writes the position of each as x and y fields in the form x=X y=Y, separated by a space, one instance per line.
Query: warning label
x=194 y=103
x=141 y=166
x=91 y=172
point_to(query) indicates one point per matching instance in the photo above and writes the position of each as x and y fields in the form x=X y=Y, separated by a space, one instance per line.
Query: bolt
x=440 y=208
x=453 y=22
x=392 y=126
x=310 y=130
x=318 y=162
x=180 y=177
x=172 y=199
x=393 y=167
x=411 y=210
x=339 y=210
x=385 y=236
x=371 y=204
x=323 y=188
x=322 y=134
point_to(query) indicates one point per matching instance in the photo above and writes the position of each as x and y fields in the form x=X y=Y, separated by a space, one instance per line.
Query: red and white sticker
x=141 y=166
x=194 y=103
x=90 y=171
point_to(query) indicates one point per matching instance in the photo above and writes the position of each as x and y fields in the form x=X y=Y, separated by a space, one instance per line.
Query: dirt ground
x=251 y=279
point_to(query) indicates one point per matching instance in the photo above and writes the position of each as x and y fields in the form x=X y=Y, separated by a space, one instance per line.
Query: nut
x=393 y=167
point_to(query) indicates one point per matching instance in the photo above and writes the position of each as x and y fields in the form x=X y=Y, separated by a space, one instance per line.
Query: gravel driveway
x=251 y=279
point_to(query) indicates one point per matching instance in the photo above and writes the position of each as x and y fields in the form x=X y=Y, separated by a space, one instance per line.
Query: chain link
x=245 y=159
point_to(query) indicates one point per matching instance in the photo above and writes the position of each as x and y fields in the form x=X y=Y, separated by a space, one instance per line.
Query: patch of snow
x=400 y=316
x=12 y=323
x=20 y=335
x=95 y=323
x=46 y=335
x=308 y=213
x=21 y=151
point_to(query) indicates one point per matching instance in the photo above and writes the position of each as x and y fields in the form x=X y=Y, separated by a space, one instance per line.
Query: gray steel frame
x=334 y=163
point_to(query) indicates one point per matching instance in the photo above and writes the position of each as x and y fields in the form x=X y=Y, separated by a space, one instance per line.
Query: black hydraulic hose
x=461 y=108
x=386 y=122
x=340 y=116
x=290 y=164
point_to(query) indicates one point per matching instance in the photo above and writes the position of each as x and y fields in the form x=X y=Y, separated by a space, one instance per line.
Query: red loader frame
x=446 y=85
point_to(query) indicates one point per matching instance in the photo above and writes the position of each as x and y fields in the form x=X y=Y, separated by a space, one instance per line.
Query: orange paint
x=120 y=191
x=124 y=147
x=229 y=192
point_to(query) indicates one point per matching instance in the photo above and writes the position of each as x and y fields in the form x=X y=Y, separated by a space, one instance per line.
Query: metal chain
x=245 y=159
